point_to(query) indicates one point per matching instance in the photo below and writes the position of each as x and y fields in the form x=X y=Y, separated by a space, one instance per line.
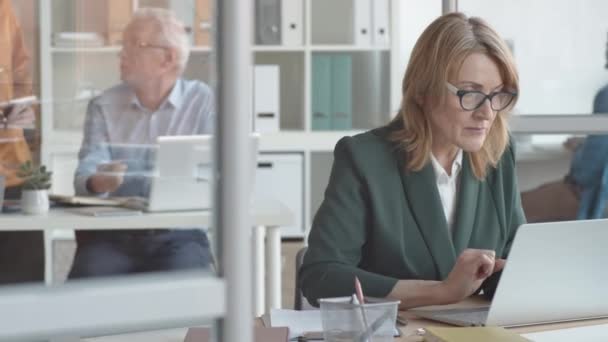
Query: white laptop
x=555 y=272
x=182 y=179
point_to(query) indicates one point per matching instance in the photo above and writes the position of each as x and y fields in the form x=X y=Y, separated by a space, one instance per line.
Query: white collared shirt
x=447 y=186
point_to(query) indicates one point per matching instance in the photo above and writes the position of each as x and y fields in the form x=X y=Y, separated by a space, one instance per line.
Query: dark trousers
x=21 y=257
x=110 y=253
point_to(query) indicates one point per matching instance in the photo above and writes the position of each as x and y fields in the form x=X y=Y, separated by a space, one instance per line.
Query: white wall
x=415 y=16
x=559 y=46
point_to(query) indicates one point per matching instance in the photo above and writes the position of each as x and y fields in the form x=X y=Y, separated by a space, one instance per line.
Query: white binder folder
x=279 y=176
x=380 y=22
x=292 y=22
x=268 y=22
x=266 y=101
x=362 y=22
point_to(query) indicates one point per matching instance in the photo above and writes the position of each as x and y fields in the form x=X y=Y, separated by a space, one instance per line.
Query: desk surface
x=415 y=323
x=178 y=335
x=270 y=213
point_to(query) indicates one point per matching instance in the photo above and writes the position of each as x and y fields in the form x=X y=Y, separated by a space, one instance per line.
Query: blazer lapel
x=466 y=205
x=423 y=198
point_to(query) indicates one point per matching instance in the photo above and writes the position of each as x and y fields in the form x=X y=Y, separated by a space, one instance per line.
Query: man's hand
x=108 y=178
x=472 y=268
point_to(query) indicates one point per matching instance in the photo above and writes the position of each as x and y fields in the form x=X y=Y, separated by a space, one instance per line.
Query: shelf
x=319 y=48
x=559 y=124
x=302 y=141
x=287 y=141
x=112 y=49
x=277 y=48
x=96 y=49
x=370 y=48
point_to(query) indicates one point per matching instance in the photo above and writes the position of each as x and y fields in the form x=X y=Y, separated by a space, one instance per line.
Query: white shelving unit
x=296 y=135
x=67 y=69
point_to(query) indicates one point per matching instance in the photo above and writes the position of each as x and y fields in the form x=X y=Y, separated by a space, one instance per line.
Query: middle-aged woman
x=425 y=209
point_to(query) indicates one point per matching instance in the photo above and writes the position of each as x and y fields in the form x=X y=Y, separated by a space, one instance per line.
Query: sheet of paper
x=298 y=322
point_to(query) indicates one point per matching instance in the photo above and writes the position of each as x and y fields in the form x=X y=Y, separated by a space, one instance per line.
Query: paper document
x=87 y=200
x=299 y=322
x=105 y=211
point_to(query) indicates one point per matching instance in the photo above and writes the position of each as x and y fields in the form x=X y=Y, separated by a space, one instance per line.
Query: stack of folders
x=332 y=91
x=471 y=334
x=279 y=22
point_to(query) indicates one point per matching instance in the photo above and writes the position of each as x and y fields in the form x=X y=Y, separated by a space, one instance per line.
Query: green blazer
x=382 y=223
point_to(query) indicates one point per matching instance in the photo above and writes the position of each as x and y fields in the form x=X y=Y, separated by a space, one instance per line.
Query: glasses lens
x=501 y=100
x=472 y=100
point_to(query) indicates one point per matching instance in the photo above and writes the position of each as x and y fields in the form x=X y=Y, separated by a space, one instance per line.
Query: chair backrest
x=299 y=299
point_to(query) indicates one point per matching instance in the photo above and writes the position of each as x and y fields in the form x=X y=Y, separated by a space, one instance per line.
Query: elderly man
x=120 y=126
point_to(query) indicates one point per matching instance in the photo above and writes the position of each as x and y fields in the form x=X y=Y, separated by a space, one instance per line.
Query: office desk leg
x=48 y=256
x=259 y=271
x=273 y=263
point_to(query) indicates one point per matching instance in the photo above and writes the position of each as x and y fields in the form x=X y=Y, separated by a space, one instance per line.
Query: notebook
x=100 y=211
x=87 y=200
x=261 y=334
x=471 y=334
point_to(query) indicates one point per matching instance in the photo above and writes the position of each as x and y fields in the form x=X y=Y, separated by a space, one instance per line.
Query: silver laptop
x=555 y=272
x=182 y=179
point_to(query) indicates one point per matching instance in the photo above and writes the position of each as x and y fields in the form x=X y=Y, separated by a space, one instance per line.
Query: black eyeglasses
x=473 y=99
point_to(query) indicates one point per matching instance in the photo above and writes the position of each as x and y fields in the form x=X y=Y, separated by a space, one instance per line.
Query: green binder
x=341 y=92
x=321 y=92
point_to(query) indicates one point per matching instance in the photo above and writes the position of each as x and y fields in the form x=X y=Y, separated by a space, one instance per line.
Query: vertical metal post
x=46 y=80
x=449 y=6
x=234 y=65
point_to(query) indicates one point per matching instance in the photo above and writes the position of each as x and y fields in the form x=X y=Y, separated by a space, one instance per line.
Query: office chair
x=299 y=300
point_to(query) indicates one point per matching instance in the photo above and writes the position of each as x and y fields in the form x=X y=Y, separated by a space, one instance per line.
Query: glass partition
x=561 y=58
x=117 y=99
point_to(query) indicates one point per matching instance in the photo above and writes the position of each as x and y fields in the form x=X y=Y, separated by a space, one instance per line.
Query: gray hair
x=171 y=32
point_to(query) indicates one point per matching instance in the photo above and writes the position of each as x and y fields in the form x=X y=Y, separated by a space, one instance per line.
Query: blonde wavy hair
x=438 y=55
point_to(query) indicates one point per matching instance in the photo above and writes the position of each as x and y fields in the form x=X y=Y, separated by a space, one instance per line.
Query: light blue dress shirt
x=119 y=128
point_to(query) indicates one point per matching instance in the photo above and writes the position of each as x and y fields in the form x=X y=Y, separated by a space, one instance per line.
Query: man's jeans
x=109 y=253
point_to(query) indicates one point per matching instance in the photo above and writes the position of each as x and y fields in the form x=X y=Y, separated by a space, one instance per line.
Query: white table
x=267 y=218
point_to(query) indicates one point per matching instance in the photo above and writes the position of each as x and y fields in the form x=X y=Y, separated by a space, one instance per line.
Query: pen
x=361 y=299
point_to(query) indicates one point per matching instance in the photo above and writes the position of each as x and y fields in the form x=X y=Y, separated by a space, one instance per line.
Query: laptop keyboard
x=475 y=317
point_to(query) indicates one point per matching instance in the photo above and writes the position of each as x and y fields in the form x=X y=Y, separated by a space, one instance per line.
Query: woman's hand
x=472 y=268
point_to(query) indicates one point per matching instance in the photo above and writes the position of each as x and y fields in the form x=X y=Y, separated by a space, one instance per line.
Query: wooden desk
x=415 y=323
x=177 y=335
x=267 y=218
